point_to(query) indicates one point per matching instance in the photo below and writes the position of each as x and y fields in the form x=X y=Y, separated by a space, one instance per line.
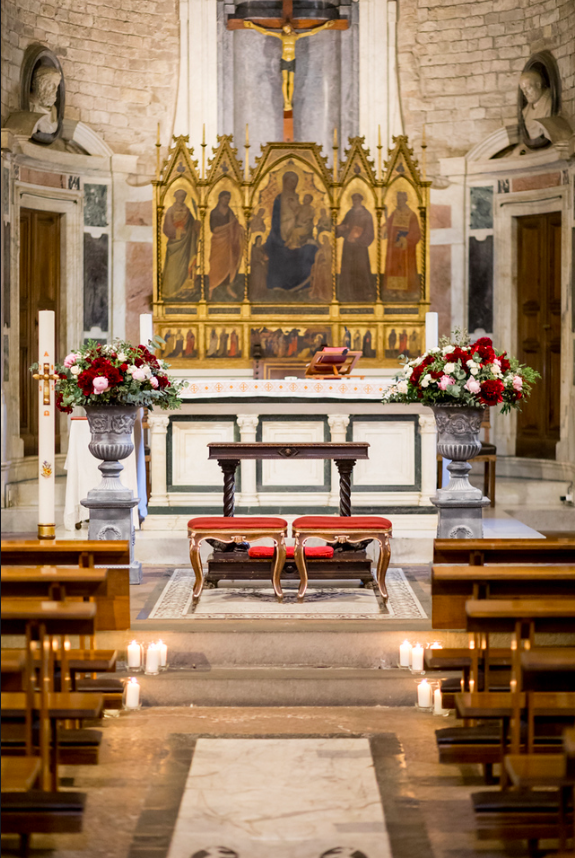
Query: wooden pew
x=478 y=552
x=452 y=586
x=114 y=606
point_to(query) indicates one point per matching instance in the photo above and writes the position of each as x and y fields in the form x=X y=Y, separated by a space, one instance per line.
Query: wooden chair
x=342 y=529
x=487 y=455
x=231 y=529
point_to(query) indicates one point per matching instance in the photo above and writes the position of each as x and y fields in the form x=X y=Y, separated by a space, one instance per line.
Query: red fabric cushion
x=220 y=522
x=341 y=522
x=324 y=551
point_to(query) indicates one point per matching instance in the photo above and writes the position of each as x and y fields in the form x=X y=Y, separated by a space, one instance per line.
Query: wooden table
x=52 y=582
x=345 y=455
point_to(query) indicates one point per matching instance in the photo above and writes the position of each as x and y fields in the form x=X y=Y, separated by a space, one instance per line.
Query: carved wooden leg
x=229 y=466
x=196 y=562
x=383 y=563
x=279 y=560
x=299 y=556
x=345 y=468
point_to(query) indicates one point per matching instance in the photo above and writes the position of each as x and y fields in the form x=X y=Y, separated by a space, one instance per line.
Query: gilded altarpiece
x=288 y=255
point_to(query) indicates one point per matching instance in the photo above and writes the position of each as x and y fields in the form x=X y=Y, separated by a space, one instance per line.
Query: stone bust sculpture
x=539 y=103
x=44 y=92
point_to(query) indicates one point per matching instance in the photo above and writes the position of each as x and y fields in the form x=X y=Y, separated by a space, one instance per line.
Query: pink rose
x=71 y=359
x=139 y=375
x=100 y=384
x=154 y=381
x=472 y=386
x=517 y=382
x=445 y=381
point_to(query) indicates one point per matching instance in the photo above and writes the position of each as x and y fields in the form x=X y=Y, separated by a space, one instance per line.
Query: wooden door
x=539 y=330
x=39 y=290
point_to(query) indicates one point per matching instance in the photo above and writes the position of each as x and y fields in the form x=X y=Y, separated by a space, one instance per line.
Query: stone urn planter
x=111 y=503
x=459 y=503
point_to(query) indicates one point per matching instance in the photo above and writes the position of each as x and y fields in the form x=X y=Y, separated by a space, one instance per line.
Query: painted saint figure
x=226 y=249
x=321 y=285
x=181 y=229
x=403 y=234
x=356 y=282
x=289 y=268
x=258 y=270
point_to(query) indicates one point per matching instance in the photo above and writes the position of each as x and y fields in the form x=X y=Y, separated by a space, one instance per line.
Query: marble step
x=281 y=686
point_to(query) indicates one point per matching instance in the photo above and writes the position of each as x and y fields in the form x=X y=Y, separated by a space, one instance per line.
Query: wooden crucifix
x=287 y=29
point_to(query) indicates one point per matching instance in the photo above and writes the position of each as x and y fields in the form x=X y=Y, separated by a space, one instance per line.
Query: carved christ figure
x=288 y=38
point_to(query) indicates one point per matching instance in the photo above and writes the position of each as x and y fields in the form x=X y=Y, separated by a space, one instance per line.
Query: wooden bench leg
x=279 y=560
x=196 y=561
x=299 y=556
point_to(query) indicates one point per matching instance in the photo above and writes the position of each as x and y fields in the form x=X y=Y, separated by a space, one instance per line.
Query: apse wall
x=120 y=63
x=459 y=64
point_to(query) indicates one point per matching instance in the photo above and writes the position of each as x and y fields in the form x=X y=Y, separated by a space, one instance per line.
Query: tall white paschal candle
x=405 y=654
x=431 y=331
x=146 y=328
x=417 y=657
x=46 y=425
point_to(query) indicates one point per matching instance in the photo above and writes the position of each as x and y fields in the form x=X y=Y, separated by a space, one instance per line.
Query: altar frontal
x=285 y=257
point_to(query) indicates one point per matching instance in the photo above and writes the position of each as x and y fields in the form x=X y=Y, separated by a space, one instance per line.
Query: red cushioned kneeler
x=220 y=522
x=318 y=551
x=346 y=522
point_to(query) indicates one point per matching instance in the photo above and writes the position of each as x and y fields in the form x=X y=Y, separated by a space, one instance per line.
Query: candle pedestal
x=111 y=503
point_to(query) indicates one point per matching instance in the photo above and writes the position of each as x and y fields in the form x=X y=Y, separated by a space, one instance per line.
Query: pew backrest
x=63 y=552
x=477 y=552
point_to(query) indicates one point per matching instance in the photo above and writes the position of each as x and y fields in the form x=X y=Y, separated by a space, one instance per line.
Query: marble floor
x=351 y=781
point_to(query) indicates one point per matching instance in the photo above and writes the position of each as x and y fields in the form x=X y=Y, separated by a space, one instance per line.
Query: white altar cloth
x=304 y=388
x=83 y=474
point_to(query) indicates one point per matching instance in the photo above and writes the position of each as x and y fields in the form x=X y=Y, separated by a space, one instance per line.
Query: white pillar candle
x=152 y=659
x=472 y=685
x=132 y=694
x=417 y=657
x=146 y=328
x=431 y=331
x=437 y=702
x=405 y=654
x=134 y=654
x=436 y=645
x=46 y=425
x=163 y=649
x=424 y=694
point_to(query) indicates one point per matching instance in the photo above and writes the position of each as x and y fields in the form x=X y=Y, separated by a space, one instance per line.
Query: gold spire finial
x=423 y=154
x=158 y=145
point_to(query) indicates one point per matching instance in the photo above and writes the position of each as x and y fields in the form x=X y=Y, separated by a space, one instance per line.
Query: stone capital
x=427 y=424
x=158 y=423
x=247 y=422
x=338 y=422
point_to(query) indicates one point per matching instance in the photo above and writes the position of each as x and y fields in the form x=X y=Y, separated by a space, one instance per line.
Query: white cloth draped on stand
x=83 y=474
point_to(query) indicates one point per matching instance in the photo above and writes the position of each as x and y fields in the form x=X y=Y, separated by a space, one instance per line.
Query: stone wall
x=120 y=62
x=459 y=64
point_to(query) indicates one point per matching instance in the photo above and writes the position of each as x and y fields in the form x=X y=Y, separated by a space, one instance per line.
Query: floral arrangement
x=461 y=373
x=116 y=374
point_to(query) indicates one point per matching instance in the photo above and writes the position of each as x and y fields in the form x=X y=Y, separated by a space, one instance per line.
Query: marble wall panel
x=190 y=463
x=481 y=208
x=95 y=282
x=391 y=454
x=95 y=205
x=439 y=217
x=139 y=213
x=440 y=284
x=480 y=310
x=139 y=285
x=534 y=183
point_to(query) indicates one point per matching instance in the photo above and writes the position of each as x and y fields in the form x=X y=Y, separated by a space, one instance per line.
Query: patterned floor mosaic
x=175 y=601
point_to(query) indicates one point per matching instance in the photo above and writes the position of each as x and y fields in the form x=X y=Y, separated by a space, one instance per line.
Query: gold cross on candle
x=46 y=377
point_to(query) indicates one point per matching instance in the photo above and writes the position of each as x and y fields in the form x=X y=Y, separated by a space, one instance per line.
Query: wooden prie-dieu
x=236 y=564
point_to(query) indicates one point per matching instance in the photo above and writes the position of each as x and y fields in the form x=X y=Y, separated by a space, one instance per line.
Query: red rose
x=123 y=367
x=492 y=391
x=163 y=381
x=484 y=348
x=85 y=380
x=138 y=362
x=65 y=409
x=62 y=375
x=483 y=341
x=505 y=365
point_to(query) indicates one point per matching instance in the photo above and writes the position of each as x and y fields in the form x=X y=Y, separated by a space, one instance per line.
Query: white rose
x=449 y=367
x=425 y=380
x=122 y=357
x=402 y=387
x=471 y=363
x=75 y=370
x=407 y=371
x=447 y=350
x=132 y=369
x=496 y=370
x=474 y=370
x=146 y=370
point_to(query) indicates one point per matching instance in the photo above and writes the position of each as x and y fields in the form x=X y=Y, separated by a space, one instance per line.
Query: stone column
x=338 y=424
x=248 y=424
x=428 y=432
x=158 y=424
